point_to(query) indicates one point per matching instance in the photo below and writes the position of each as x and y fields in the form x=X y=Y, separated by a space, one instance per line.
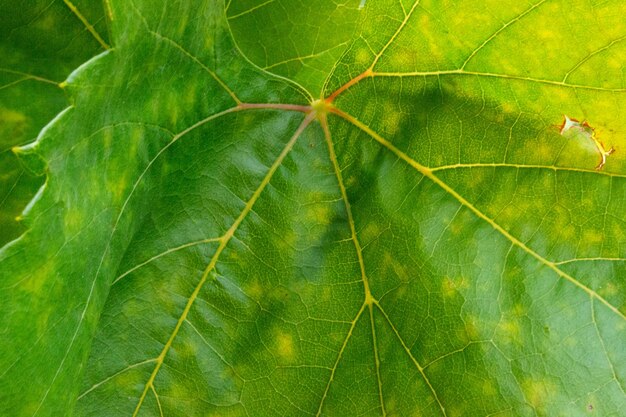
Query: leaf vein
x=496 y=33
x=212 y=73
x=88 y=25
x=419 y=367
x=428 y=173
x=395 y=35
x=107 y=379
x=526 y=166
x=339 y=355
x=496 y=75
x=591 y=55
x=158 y=401
x=606 y=352
x=223 y=243
x=250 y=10
x=166 y=252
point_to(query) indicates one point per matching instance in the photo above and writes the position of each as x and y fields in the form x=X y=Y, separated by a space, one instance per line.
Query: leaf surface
x=274 y=208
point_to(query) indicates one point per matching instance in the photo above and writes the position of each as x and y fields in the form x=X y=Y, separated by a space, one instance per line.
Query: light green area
x=212 y=240
x=298 y=39
x=41 y=42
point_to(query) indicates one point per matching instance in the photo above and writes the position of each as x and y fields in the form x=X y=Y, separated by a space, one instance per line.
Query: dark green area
x=41 y=42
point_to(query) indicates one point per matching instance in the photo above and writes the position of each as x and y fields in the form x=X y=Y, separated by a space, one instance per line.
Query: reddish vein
x=367 y=73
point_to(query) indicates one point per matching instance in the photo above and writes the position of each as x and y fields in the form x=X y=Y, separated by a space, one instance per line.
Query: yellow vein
x=344 y=195
x=276 y=106
x=15 y=82
x=429 y=174
x=206 y=342
x=121 y=213
x=108 y=245
x=156 y=397
x=298 y=87
x=496 y=33
x=591 y=55
x=377 y=360
x=108 y=10
x=525 y=166
x=445 y=355
x=88 y=25
x=167 y=146
x=369 y=299
x=606 y=352
x=569 y=261
x=31 y=76
x=240 y=107
x=401 y=6
x=369 y=72
x=166 y=252
x=419 y=367
x=332 y=70
x=107 y=379
x=301 y=59
x=339 y=355
x=197 y=61
x=395 y=35
x=495 y=75
x=258 y=6
x=225 y=240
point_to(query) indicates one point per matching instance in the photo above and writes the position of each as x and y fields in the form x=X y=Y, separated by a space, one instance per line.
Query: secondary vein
x=223 y=243
x=427 y=172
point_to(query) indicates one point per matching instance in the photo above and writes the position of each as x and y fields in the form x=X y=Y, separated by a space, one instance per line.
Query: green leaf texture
x=41 y=42
x=329 y=208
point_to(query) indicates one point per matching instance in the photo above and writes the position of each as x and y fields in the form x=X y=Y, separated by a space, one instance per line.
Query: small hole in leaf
x=583 y=132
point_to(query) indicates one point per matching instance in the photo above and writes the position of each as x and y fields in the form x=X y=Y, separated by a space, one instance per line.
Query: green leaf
x=423 y=237
x=40 y=43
